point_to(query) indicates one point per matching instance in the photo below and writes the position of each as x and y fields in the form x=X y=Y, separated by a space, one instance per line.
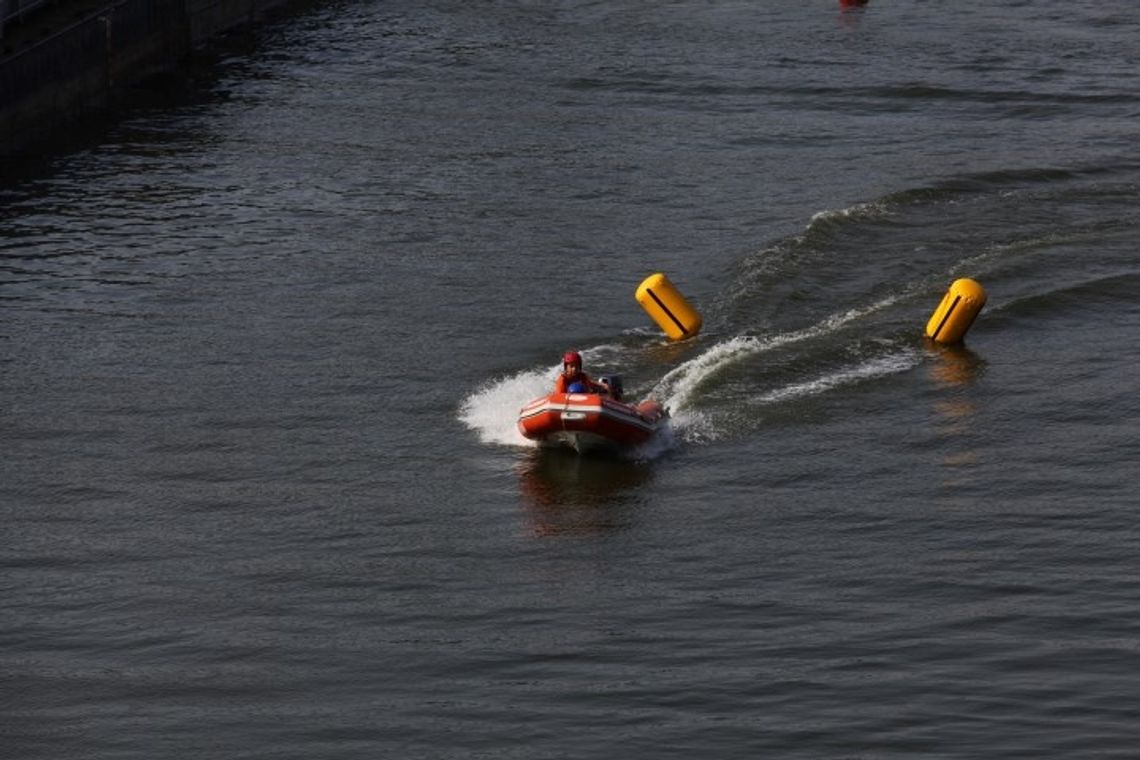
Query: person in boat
x=573 y=379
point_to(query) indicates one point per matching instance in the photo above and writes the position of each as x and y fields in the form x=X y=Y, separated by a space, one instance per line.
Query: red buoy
x=852 y=3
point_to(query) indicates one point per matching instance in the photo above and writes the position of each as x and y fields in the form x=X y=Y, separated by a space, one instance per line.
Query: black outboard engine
x=613 y=383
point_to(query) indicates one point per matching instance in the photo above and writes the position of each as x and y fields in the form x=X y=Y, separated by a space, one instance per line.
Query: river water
x=264 y=340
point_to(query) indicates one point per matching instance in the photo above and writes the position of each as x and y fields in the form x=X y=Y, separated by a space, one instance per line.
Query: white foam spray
x=492 y=411
x=857 y=211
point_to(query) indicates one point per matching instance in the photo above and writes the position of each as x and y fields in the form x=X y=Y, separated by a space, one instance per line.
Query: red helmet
x=572 y=357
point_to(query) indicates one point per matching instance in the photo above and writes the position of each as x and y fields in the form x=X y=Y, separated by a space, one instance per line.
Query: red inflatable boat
x=587 y=421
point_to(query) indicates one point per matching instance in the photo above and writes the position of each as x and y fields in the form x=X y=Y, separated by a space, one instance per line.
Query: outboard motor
x=613 y=383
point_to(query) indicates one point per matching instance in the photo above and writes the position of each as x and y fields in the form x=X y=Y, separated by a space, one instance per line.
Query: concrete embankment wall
x=81 y=68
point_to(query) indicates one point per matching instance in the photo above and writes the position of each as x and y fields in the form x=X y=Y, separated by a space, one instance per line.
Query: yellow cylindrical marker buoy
x=668 y=308
x=959 y=308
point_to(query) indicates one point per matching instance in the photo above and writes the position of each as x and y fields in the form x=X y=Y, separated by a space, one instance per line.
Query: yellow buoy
x=669 y=309
x=959 y=307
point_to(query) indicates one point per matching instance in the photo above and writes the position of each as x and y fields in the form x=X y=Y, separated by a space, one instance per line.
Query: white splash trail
x=880 y=367
x=857 y=211
x=678 y=386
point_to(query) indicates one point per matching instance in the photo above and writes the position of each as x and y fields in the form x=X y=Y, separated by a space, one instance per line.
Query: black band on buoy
x=958 y=310
x=668 y=308
x=665 y=309
x=946 y=316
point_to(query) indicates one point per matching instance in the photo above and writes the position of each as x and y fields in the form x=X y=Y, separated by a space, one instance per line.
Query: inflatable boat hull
x=587 y=421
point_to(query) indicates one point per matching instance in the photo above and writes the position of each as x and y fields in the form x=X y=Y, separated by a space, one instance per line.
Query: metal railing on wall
x=15 y=10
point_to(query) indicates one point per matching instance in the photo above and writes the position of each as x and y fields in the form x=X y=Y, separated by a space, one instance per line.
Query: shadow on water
x=568 y=494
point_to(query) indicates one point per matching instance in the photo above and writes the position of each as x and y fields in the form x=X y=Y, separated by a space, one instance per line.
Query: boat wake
x=841 y=302
x=679 y=388
x=872 y=368
x=696 y=417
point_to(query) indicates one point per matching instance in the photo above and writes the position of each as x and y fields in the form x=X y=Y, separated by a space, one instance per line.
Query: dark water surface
x=262 y=348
